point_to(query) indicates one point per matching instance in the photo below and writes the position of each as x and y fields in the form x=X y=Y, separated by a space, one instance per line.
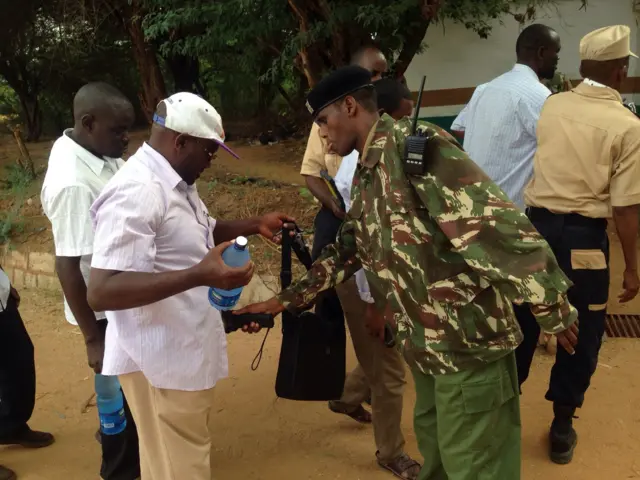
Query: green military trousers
x=468 y=423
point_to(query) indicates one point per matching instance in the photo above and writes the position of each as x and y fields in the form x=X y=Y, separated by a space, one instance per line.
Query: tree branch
x=427 y=11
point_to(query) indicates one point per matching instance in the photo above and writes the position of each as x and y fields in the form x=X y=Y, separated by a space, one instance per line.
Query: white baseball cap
x=192 y=115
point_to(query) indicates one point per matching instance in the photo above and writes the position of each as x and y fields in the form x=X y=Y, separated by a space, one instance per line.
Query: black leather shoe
x=6 y=474
x=28 y=438
x=562 y=443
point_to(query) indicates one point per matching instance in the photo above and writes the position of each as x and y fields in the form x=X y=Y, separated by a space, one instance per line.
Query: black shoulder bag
x=312 y=357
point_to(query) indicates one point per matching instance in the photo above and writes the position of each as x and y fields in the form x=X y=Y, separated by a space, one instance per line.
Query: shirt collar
x=95 y=164
x=597 y=90
x=376 y=141
x=161 y=167
x=593 y=83
x=521 y=68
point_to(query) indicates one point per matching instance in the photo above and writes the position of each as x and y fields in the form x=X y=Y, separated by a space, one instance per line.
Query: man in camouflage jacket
x=445 y=255
x=559 y=83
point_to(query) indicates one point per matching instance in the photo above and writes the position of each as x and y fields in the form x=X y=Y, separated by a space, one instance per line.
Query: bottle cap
x=241 y=241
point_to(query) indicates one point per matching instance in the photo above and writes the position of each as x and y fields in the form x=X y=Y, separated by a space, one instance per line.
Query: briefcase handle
x=296 y=243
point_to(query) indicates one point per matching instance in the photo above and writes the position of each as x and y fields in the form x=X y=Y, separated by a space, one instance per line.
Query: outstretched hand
x=272 y=223
x=271 y=306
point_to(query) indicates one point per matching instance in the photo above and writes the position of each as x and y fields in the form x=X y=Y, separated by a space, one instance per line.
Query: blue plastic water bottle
x=110 y=404
x=237 y=255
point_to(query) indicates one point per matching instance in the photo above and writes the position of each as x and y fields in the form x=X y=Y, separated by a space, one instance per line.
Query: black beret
x=337 y=85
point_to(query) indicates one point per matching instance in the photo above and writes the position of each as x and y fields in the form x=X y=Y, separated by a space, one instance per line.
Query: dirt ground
x=262 y=437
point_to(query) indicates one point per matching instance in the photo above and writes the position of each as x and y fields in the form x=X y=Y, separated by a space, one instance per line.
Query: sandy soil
x=264 y=438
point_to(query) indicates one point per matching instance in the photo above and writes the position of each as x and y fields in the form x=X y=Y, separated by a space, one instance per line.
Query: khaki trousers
x=173 y=427
x=380 y=373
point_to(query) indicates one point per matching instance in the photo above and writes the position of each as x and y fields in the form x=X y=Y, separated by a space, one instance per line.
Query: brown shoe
x=359 y=414
x=28 y=438
x=6 y=474
x=402 y=467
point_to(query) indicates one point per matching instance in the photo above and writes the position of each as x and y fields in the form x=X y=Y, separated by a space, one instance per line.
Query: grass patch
x=16 y=185
x=17 y=180
x=11 y=224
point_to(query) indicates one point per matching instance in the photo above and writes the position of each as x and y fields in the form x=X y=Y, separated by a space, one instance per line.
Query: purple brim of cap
x=228 y=149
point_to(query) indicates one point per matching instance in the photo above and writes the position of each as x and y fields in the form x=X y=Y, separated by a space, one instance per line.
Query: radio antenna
x=414 y=125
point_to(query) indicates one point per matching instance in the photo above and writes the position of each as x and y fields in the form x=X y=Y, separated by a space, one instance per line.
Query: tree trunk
x=32 y=116
x=417 y=21
x=310 y=60
x=152 y=85
x=185 y=71
x=25 y=160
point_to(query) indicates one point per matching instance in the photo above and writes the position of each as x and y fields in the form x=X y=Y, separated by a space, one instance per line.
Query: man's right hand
x=569 y=338
x=630 y=285
x=95 y=352
x=213 y=272
x=337 y=210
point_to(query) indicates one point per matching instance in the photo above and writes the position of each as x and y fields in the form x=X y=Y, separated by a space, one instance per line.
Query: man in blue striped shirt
x=499 y=123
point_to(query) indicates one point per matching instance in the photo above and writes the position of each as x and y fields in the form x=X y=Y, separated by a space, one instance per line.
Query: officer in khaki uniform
x=380 y=375
x=587 y=170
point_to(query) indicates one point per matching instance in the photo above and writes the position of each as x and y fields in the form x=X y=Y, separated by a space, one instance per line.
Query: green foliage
x=306 y=194
x=9 y=101
x=17 y=180
x=249 y=39
x=251 y=57
x=11 y=224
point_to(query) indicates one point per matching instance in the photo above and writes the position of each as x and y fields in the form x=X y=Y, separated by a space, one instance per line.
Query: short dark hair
x=390 y=93
x=532 y=38
x=358 y=53
x=94 y=96
x=601 y=70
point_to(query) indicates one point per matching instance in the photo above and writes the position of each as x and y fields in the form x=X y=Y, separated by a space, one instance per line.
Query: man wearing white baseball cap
x=156 y=252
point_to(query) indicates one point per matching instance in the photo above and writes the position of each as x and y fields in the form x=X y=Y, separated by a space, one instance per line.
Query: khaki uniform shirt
x=316 y=157
x=588 y=156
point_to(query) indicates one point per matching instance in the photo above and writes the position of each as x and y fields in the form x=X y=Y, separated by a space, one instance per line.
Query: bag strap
x=285 y=265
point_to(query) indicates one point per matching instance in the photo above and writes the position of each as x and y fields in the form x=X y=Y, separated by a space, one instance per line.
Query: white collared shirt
x=344 y=181
x=75 y=177
x=500 y=128
x=5 y=290
x=148 y=220
x=460 y=122
x=593 y=83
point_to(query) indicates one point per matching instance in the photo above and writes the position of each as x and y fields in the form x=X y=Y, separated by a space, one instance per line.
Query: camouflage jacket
x=559 y=83
x=445 y=254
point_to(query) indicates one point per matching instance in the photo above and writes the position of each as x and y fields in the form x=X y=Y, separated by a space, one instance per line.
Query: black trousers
x=326 y=229
x=581 y=247
x=17 y=372
x=120 y=452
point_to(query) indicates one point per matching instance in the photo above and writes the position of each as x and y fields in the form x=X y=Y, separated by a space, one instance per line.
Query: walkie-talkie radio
x=415 y=147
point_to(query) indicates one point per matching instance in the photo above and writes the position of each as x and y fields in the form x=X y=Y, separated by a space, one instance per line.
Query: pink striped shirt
x=147 y=219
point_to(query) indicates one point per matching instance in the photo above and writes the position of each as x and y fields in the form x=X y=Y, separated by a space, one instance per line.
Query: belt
x=537 y=214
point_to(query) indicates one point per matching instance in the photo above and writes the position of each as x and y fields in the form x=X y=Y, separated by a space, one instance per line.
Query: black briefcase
x=312 y=358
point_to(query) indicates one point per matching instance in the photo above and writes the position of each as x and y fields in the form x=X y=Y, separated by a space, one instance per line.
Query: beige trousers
x=380 y=373
x=173 y=428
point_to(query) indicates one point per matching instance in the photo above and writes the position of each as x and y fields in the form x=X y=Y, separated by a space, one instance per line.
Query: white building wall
x=457 y=58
